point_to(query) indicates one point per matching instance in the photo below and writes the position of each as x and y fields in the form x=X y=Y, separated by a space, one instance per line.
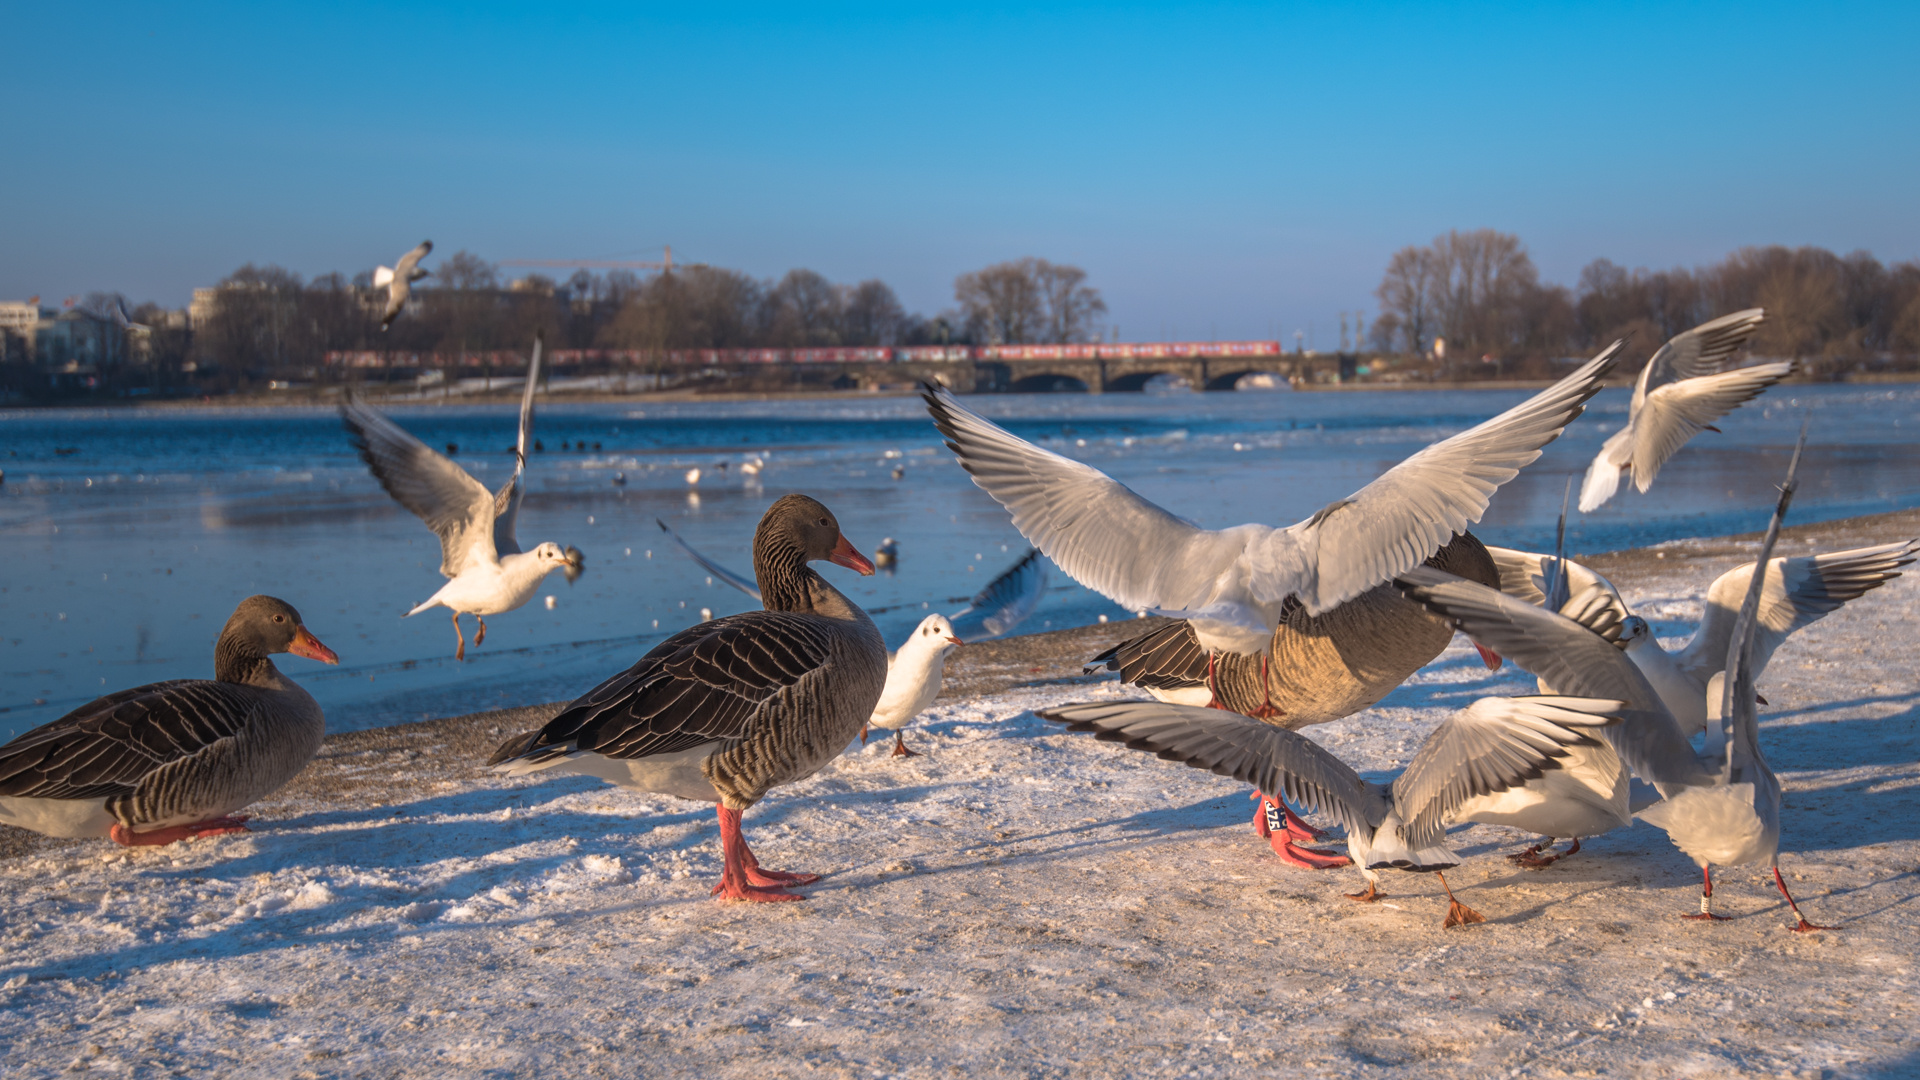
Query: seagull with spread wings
x=1296 y=625
x=1680 y=393
x=486 y=571
x=398 y=281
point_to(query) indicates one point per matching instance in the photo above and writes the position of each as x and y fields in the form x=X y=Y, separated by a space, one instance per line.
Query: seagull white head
x=933 y=637
x=553 y=557
x=1634 y=633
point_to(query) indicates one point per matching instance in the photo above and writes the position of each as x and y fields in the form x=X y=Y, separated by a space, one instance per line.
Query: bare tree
x=1002 y=304
x=1073 y=309
x=873 y=315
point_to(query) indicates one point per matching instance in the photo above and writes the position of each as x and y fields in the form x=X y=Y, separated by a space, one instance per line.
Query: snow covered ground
x=1019 y=901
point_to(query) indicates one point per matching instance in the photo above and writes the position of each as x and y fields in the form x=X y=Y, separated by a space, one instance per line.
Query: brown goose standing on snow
x=1316 y=593
x=175 y=759
x=727 y=710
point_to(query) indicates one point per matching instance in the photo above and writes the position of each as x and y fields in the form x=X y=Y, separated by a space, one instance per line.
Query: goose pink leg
x=741 y=877
x=220 y=826
x=1283 y=840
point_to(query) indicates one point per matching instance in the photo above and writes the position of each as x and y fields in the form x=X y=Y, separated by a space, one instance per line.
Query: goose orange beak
x=305 y=644
x=845 y=555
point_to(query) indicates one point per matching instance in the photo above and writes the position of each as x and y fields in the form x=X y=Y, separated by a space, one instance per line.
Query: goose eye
x=823 y=522
x=279 y=618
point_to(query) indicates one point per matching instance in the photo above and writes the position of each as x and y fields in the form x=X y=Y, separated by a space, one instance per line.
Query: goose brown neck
x=782 y=573
x=236 y=660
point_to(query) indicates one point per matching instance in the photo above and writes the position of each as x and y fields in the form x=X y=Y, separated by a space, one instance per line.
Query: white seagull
x=1485 y=748
x=399 y=280
x=916 y=670
x=1720 y=804
x=1679 y=394
x=1799 y=591
x=486 y=570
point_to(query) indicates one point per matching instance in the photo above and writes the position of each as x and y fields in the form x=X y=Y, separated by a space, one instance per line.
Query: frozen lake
x=127 y=537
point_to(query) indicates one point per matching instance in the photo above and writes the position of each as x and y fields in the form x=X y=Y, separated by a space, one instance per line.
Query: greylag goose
x=1302 y=618
x=399 y=280
x=1485 y=748
x=915 y=671
x=176 y=759
x=1679 y=394
x=726 y=711
x=1720 y=804
x=486 y=571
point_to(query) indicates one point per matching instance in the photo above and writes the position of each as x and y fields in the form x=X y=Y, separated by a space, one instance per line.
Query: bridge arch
x=1049 y=382
x=1136 y=381
x=1229 y=380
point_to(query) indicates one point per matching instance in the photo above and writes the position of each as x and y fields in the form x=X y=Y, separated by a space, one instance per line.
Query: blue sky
x=1218 y=170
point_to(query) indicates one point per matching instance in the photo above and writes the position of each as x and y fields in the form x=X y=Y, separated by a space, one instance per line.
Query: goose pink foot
x=1282 y=835
x=220 y=826
x=741 y=877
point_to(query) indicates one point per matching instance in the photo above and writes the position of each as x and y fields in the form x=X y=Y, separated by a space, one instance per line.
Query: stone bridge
x=1009 y=376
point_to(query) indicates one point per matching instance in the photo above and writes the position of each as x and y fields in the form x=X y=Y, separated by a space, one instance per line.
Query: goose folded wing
x=1572 y=659
x=705 y=684
x=1279 y=762
x=1491 y=745
x=105 y=748
x=452 y=503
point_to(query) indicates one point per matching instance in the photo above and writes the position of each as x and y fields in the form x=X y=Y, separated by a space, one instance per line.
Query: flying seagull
x=399 y=281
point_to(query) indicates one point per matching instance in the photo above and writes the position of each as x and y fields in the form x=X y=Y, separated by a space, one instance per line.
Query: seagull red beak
x=956 y=641
x=305 y=644
x=1488 y=657
x=845 y=555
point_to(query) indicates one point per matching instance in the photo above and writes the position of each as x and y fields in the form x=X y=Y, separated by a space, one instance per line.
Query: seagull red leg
x=1804 y=926
x=1458 y=914
x=740 y=876
x=460 y=651
x=480 y=635
x=1706 y=899
x=220 y=826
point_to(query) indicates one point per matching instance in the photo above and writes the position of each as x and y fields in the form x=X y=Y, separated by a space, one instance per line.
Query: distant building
x=205 y=303
x=17 y=320
x=77 y=342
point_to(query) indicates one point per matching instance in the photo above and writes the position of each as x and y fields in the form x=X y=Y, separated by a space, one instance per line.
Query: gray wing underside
x=452 y=503
x=1798 y=592
x=1571 y=659
x=1281 y=763
x=1117 y=543
x=1702 y=350
x=506 y=501
x=1674 y=413
x=711 y=567
x=1006 y=601
x=1492 y=745
x=1593 y=602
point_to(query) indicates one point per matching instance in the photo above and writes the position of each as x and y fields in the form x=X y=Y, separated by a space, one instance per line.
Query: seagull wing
x=1702 y=350
x=1491 y=745
x=1603 y=476
x=1281 y=763
x=1593 y=602
x=506 y=501
x=737 y=581
x=1006 y=601
x=1798 y=592
x=1678 y=411
x=452 y=503
x=1397 y=522
x=403 y=270
x=1570 y=658
x=1113 y=541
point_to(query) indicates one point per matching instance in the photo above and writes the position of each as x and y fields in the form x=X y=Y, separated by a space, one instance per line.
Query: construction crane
x=600 y=264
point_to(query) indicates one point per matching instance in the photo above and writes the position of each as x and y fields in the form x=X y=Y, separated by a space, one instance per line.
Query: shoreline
x=450 y=749
x=512 y=397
